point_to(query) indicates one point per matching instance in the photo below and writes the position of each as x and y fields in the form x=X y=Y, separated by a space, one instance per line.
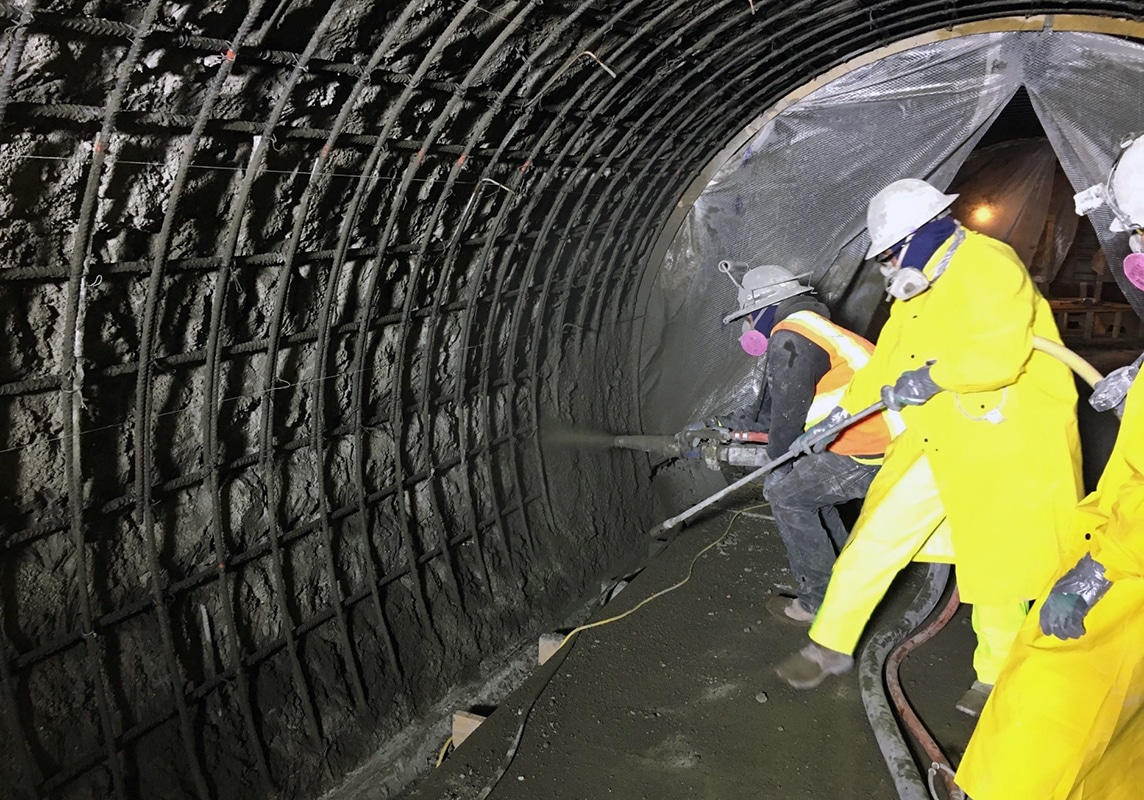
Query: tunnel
x=315 y=314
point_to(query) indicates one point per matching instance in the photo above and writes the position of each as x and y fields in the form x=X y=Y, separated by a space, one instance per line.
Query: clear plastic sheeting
x=796 y=193
x=1084 y=88
x=1016 y=192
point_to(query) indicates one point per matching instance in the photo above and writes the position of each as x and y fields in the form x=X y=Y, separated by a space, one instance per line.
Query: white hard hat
x=1125 y=190
x=900 y=209
x=762 y=287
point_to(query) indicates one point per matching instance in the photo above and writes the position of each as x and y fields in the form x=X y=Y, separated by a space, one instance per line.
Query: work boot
x=809 y=666
x=790 y=611
x=973 y=701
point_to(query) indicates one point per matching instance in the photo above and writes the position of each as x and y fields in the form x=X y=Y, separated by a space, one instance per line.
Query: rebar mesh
x=290 y=288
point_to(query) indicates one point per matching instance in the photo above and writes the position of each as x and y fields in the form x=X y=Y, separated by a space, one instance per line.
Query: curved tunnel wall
x=290 y=290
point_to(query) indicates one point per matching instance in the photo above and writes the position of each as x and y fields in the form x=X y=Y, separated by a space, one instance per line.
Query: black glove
x=688 y=439
x=705 y=423
x=814 y=440
x=1072 y=597
x=913 y=388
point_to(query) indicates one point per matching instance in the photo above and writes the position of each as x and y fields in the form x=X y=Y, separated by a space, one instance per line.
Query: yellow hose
x=1087 y=372
x=444 y=750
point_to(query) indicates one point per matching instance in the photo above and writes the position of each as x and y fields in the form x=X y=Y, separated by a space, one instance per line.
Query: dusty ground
x=679 y=700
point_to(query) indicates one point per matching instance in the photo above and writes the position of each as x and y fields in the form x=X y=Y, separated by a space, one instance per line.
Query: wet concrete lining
x=290 y=291
x=679 y=699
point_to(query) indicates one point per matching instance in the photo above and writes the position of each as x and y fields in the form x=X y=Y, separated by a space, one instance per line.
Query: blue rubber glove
x=813 y=440
x=913 y=388
x=1062 y=616
x=1072 y=597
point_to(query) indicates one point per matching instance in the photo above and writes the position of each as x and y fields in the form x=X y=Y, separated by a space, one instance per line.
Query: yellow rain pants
x=1066 y=719
x=903 y=520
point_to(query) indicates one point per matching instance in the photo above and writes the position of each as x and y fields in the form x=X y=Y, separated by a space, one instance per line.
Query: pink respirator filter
x=753 y=343
x=1133 y=271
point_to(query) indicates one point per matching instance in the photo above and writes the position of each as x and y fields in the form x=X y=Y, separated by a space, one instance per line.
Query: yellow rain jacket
x=1002 y=439
x=1066 y=719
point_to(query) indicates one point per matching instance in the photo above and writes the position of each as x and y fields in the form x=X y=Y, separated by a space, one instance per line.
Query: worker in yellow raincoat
x=1067 y=719
x=987 y=471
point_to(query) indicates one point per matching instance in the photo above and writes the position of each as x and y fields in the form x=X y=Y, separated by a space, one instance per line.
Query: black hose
x=871 y=663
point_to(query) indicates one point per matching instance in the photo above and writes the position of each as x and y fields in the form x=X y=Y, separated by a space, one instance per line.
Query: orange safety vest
x=848 y=353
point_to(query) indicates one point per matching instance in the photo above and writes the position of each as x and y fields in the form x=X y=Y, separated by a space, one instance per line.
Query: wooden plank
x=549 y=644
x=464 y=723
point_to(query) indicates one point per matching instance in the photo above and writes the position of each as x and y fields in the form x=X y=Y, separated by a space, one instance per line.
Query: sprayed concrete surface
x=289 y=290
x=679 y=699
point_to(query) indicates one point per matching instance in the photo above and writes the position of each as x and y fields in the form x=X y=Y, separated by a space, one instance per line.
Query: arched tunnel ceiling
x=288 y=290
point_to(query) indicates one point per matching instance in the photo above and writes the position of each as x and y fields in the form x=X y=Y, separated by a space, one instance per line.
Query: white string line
x=279 y=385
x=112 y=160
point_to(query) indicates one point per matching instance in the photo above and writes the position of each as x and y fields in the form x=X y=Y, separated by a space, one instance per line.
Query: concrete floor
x=679 y=699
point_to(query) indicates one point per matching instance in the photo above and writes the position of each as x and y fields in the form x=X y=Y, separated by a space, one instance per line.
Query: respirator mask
x=1123 y=192
x=906 y=283
x=756 y=328
x=1134 y=261
x=902 y=283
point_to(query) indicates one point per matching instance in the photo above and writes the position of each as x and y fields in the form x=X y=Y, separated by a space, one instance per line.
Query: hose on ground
x=877 y=663
x=871 y=663
x=910 y=720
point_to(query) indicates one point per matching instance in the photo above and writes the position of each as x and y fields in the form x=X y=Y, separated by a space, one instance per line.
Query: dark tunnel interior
x=291 y=292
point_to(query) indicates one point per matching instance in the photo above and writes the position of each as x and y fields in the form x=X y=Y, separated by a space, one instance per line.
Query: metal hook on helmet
x=726 y=268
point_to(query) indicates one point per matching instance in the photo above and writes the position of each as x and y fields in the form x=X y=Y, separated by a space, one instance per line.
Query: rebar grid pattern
x=291 y=288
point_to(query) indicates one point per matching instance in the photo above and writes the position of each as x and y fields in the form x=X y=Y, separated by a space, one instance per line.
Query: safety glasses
x=883 y=259
x=762 y=320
